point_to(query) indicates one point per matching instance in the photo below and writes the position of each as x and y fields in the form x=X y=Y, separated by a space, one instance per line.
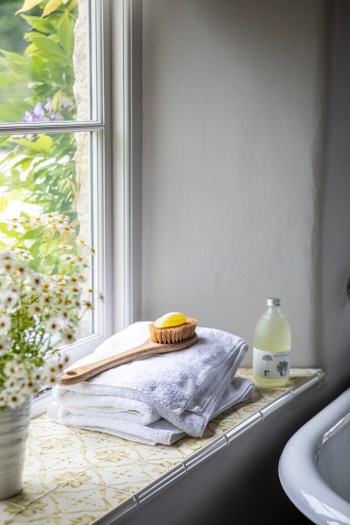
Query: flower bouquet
x=39 y=312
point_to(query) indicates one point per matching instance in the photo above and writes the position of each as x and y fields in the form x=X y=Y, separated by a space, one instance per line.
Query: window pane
x=44 y=61
x=47 y=176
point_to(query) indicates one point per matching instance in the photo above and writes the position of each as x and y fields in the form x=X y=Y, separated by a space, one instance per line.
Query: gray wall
x=335 y=223
x=245 y=194
x=233 y=100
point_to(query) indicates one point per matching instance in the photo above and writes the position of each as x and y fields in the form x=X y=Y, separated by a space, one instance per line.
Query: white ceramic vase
x=14 y=423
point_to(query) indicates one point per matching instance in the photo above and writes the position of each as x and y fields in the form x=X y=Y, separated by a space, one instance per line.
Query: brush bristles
x=173 y=334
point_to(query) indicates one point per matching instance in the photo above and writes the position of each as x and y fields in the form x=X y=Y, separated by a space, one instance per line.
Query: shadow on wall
x=335 y=213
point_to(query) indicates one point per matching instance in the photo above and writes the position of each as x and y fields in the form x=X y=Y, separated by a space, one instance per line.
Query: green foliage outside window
x=39 y=169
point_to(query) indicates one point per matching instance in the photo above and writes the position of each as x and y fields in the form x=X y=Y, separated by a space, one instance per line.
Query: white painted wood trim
x=127 y=149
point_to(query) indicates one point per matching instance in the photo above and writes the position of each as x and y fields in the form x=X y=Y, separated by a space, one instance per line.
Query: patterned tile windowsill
x=79 y=477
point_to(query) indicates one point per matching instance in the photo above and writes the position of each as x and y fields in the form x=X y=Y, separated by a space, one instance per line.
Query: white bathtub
x=314 y=468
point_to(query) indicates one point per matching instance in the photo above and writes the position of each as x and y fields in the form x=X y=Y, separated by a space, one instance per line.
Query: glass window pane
x=44 y=177
x=44 y=61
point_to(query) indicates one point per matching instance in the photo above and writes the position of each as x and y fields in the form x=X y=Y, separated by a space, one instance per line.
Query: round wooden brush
x=172 y=328
x=168 y=340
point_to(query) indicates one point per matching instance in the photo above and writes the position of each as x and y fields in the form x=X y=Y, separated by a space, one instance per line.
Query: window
x=70 y=139
x=55 y=135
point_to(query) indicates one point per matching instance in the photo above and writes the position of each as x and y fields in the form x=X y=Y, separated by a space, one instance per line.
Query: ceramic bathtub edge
x=299 y=474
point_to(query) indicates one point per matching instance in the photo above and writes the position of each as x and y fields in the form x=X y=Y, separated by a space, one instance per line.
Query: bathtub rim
x=299 y=475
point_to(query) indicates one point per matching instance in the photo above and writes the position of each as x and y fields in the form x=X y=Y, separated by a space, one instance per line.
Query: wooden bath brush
x=169 y=333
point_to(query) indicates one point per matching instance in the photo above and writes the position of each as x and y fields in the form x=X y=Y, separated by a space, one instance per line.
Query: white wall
x=232 y=112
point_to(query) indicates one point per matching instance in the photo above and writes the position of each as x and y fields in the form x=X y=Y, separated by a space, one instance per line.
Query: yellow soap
x=170 y=319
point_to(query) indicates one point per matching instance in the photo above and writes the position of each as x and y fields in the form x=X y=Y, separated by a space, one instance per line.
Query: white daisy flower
x=37 y=281
x=7 y=266
x=46 y=300
x=5 y=323
x=68 y=335
x=13 y=368
x=88 y=304
x=64 y=314
x=6 y=255
x=9 y=299
x=49 y=379
x=16 y=397
x=35 y=309
x=13 y=400
x=52 y=325
x=11 y=385
x=4 y=346
x=21 y=269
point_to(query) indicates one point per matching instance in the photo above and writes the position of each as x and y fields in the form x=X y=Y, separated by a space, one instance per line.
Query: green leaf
x=45 y=143
x=28 y=4
x=34 y=250
x=65 y=35
x=47 y=46
x=8 y=114
x=14 y=58
x=38 y=65
x=33 y=234
x=7 y=80
x=44 y=25
x=51 y=6
x=3 y=204
x=3 y=227
x=42 y=145
x=25 y=164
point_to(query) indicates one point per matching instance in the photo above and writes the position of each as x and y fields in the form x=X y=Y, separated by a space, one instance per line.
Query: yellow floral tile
x=26 y=518
x=89 y=438
x=64 y=506
x=129 y=477
x=53 y=443
x=74 y=479
x=189 y=445
x=86 y=499
x=153 y=454
x=74 y=476
x=33 y=488
x=58 y=460
x=104 y=457
x=46 y=428
x=8 y=510
x=35 y=513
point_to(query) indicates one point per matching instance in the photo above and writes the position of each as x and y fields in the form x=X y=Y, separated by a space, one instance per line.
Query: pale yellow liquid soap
x=272 y=347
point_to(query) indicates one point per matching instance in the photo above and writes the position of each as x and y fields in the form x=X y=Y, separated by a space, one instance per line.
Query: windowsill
x=79 y=476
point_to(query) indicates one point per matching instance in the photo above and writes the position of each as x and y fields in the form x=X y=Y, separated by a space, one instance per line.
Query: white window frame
x=127 y=168
x=118 y=229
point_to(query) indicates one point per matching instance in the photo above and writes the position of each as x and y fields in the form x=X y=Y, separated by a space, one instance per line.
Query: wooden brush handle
x=146 y=349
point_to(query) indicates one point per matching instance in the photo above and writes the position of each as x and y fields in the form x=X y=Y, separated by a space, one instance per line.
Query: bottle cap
x=273 y=301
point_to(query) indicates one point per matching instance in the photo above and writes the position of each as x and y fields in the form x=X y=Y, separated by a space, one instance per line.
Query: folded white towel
x=109 y=406
x=160 y=431
x=184 y=388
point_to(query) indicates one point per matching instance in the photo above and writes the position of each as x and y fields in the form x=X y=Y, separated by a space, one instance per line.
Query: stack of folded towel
x=161 y=398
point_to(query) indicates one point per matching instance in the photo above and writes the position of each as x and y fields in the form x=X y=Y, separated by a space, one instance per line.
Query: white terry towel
x=184 y=388
x=159 y=431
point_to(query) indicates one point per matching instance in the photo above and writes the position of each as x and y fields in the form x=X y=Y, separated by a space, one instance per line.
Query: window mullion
x=58 y=127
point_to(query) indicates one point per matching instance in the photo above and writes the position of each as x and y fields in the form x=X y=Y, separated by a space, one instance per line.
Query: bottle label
x=271 y=365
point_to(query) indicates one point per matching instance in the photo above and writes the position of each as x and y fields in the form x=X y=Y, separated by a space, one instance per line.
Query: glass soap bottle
x=272 y=347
